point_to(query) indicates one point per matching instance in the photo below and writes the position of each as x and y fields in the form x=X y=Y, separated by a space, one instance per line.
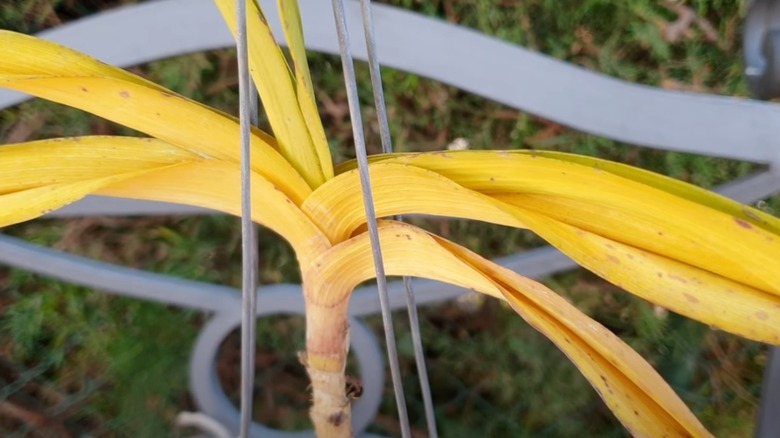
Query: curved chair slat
x=588 y=101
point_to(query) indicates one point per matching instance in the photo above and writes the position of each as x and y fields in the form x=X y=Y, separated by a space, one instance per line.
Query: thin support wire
x=387 y=147
x=248 y=236
x=368 y=201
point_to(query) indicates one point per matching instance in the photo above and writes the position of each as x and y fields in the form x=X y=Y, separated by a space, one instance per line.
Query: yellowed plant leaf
x=685 y=289
x=290 y=16
x=713 y=241
x=337 y=206
x=63 y=160
x=626 y=210
x=216 y=185
x=675 y=187
x=29 y=204
x=168 y=117
x=277 y=91
x=637 y=395
x=121 y=97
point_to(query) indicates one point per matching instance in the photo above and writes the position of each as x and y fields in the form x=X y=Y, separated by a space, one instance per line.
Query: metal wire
x=248 y=236
x=387 y=147
x=368 y=201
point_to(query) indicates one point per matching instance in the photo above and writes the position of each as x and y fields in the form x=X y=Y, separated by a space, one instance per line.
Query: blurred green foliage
x=99 y=365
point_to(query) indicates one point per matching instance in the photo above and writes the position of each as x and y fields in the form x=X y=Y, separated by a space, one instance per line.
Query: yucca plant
x=681 y=247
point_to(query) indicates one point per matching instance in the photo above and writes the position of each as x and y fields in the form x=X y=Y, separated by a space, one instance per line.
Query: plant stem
x=325 y=359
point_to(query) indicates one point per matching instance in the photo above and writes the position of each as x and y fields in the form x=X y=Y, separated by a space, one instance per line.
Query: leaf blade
x=638 y=396
x=276 y=86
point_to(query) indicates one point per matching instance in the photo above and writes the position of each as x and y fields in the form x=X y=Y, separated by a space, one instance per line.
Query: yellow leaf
x=217 y=185
x=121 y=97
x=293 y=31
x=337 y=206
x=675 y=187
x=623 y=209
x=62 y=160
x=685 y=289
x=25 y=55
x=29 y=204
x=277 y=91
x=710 y=240
x=637 y=395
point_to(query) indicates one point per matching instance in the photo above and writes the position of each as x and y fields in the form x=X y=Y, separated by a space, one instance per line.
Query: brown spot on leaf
x=124 y=94
x=763 y=316
x=691 y=298
x=613 y=259
x=492 y=179
x=744 y=224
x=677 y=278
x=84 y=89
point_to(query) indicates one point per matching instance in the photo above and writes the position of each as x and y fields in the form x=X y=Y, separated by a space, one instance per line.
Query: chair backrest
x=532 y=82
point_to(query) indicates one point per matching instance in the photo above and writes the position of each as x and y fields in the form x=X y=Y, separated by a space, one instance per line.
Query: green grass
x=96 y=364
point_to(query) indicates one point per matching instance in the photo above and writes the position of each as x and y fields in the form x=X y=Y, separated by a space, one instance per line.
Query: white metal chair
x=532 y=82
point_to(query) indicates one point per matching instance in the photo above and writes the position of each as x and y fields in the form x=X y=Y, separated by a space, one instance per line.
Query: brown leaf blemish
x=691 y=299
x=124 y=94
x=744 y=224
x=85 y=89
x=613 y=259
x=677 y=278
x=763 y=316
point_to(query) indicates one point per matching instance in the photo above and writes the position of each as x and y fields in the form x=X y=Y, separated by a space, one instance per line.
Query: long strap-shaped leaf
x=290 y=15
x=694 y=292
x=570 y=205
x=118 y=96
x=276 y=86
x=63 y=160
x=337 y=205
x=626 y=210
x=675 y=187
x=637 y=395
x=212 y=184
x=140 y=168
x=32 y=203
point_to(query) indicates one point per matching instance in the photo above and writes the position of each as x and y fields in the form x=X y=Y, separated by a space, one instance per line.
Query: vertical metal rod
x=248 y=240
x=368 y=201
x=387 y=147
